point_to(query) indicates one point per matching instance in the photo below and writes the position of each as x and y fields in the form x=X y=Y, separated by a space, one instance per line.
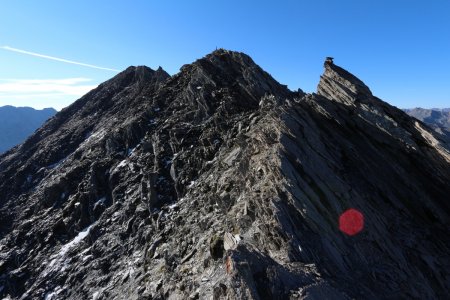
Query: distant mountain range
x=17 y=123
x=437 y=118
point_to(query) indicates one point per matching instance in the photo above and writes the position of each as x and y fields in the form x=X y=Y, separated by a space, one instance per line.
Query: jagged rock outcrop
x=17 y=123
x=219 y=182
x=340 y=85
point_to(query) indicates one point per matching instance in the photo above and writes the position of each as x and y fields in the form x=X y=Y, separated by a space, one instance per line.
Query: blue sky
x=399 y=48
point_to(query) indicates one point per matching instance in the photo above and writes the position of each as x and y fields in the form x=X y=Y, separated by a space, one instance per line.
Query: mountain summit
x=338 y=84
x=219 y=182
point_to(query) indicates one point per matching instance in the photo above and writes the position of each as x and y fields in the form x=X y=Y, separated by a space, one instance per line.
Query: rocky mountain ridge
x=219 y=182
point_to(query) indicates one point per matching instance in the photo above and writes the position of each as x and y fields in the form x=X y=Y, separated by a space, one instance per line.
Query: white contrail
x=56 y=58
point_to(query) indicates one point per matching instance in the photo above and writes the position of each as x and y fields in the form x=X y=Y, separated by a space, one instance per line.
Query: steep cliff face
x=218 y=182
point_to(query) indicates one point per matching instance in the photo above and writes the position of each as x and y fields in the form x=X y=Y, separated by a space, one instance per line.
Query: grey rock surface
x=220 y=183
x=17 y=123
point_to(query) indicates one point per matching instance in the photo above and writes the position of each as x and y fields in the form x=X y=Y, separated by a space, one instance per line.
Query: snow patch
x=191 y=185
x=59 y=261
x=81 y=235
x=122 y=164
x=131 y=151
x=100 y=201
x=87 y=257
x=49 y=296
x=98 y=135
x=85 y=251
x=172 y=206
x=96 y=295
x=52 y=295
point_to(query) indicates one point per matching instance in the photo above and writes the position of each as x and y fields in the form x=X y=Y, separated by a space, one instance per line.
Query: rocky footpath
x=220 y=183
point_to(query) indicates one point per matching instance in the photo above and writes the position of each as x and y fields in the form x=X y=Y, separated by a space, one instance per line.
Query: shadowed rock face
x=218 y=182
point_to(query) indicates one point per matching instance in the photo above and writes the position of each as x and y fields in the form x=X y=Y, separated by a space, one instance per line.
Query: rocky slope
x=218 y=182
x=17 y=123
x=439 y=119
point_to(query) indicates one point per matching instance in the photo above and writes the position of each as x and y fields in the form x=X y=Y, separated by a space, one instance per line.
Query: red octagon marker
x=351 y=222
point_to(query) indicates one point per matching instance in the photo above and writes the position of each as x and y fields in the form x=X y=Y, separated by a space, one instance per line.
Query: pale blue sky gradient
x=399 y=48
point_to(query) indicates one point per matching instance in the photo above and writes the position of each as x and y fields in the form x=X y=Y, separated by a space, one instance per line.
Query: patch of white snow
x=49 y=296
x=95 y=295
x=191 y=184
x=100 y=201
x=172 y=206
x=81 y=235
